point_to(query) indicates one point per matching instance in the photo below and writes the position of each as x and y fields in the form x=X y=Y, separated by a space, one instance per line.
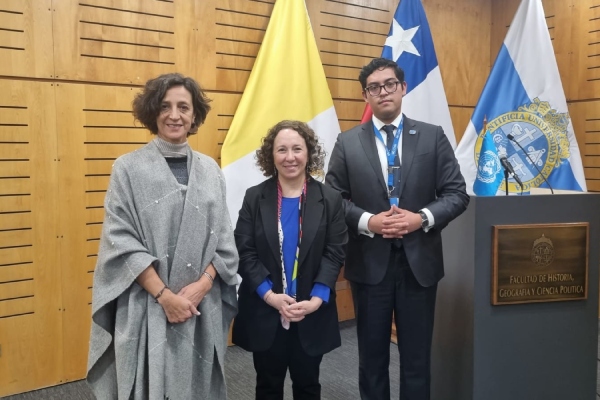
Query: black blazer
x=430 y=178
x=324 y=238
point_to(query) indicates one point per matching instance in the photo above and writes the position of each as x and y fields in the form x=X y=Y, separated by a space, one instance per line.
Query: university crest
x=540 y=130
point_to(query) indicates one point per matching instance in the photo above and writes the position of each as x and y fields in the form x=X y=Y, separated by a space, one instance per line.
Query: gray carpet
x=339 y=372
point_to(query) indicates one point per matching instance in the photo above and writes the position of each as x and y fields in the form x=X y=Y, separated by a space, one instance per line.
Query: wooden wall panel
x=233 y=35
x=129 y=42
x=26 y=38
x=99 y=128
x=345 y=305
x=585 y=63
x=349 y=112
x=460 y=119
x=120 y=41
x=30 y=290
x=211 y=135
x=461 y=35
x=349 y=34
x=586 y=121
x=503 y=13
x=559 y=17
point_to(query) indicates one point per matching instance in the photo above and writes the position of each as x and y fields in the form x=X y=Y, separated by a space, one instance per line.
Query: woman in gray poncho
x=164 y=286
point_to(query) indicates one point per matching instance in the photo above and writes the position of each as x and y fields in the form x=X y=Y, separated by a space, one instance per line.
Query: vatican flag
x=287 y=82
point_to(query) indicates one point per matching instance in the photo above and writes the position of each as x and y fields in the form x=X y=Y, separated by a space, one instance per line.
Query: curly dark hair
x=147 y=103
x=316 y=154
x=376 y=64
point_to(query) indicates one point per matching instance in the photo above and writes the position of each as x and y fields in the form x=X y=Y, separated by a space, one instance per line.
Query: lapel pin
x=412 y=132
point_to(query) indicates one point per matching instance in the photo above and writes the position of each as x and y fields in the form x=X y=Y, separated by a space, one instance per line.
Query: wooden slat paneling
x=585 y=117
x=12 y=238
x=14 y=133
x=15 y=308
x=15 y=203
x=348 y=36
x=16 y=272
x=16 y=255
x=30 y=294
x=138 y=42
x=91 y=247
x=585 y=66
x=26 y=38
x=234 y=37
x=15 y=168
x=209 y=138
x=460 y=120
x=86 y=158
x=16 y=289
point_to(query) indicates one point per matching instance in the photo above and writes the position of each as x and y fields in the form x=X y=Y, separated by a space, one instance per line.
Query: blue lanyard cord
x=391 y=155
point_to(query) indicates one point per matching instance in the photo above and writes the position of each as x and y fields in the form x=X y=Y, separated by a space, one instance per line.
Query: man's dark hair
x=377 y=64
x=147 y=103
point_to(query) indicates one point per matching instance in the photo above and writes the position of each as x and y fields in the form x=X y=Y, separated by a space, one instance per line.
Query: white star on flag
x=401 y=40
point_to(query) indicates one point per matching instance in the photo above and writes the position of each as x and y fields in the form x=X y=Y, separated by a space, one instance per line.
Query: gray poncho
x=151 y=219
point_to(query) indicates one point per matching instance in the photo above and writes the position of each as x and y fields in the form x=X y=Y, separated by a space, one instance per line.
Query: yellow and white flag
x=287 y=82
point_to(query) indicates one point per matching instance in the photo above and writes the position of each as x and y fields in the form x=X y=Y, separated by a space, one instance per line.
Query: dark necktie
x=389 y=130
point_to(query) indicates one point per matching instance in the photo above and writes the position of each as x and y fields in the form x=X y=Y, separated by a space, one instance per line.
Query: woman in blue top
x=291 y=237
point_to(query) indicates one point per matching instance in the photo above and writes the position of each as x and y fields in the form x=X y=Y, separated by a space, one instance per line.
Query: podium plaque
x=539 y=263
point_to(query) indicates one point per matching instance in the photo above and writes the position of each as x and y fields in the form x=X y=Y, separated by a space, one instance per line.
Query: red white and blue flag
x=410 y=44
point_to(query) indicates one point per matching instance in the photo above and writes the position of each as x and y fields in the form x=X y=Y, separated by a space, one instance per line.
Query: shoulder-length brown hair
x=147 y=103
x=316 y=154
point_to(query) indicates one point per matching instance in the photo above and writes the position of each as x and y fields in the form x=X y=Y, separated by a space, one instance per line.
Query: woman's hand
x=297 y=311
x=177 y=308
x=278 y=300
x=196 y=291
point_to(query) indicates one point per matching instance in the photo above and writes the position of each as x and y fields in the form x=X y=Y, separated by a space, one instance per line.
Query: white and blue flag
x=489 y=170
x=410 y=44
x=523 y=97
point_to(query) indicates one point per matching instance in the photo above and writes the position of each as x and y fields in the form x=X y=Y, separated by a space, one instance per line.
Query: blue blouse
x=289 y=224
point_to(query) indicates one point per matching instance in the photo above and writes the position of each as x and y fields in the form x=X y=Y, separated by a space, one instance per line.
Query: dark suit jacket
x=324 y=238
x=430 y=178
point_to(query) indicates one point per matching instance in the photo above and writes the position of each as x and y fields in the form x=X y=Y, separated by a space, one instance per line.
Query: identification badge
x=394 y=201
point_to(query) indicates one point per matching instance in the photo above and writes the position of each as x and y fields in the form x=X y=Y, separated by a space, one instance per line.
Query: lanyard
x=391 y=155
x=301 y=209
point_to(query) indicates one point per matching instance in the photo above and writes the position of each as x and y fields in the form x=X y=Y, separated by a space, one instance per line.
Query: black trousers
x=271 y=368
x=413 y=306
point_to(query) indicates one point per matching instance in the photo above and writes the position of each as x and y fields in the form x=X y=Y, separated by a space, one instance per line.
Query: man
x=401 y=186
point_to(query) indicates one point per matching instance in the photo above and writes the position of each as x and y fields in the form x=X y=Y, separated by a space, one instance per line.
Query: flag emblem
x=488 y=166
x=540 y=130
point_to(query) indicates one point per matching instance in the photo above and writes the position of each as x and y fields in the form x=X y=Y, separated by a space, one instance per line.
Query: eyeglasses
x=390 y=87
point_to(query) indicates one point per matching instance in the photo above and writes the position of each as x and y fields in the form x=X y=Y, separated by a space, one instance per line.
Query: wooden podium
x=545 y=350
